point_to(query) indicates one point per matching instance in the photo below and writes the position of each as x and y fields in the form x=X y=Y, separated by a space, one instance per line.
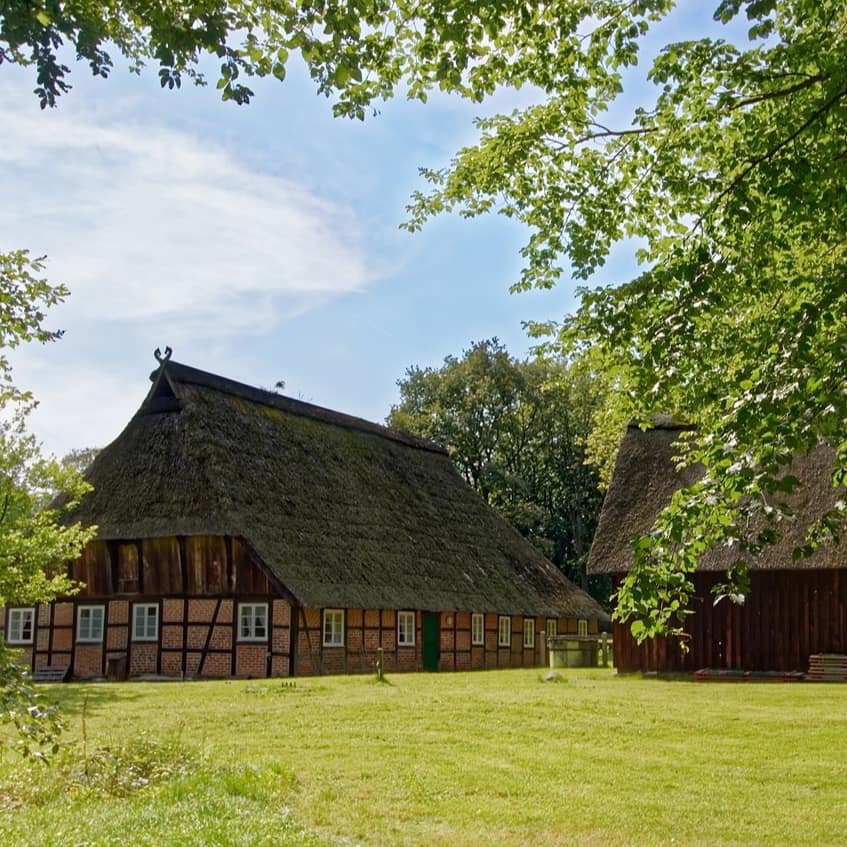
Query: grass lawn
x=489 y=758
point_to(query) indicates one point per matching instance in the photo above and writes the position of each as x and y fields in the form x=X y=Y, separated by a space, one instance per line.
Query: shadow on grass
x=70 y=697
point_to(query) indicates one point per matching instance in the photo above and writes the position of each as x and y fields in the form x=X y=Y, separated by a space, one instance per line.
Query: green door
x=431 y=640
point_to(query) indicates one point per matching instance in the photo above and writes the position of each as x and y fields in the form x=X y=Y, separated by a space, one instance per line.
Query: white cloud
x=164 y=236
x=146 y=222
x=88 y=409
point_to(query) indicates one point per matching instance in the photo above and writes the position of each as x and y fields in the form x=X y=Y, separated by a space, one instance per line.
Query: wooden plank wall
x=195 y=565
x=788 y=616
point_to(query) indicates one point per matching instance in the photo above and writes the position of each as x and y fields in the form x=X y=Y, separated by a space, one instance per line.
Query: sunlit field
x=488 y=758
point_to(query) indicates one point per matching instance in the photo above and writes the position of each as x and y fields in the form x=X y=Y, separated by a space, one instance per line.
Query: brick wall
x=173 y=611
x=225 y=612
x=63 y=614
x=143 y=657
x=221 y=637
x=281 y=613
x=219 y=665
x=477 y=659
x=407 y=659
x=88 y=660
x=118 y=612
x=198 y=637
x=366 y=630
x=172 y=664
x=201 y=610
x=172 y=636
x=280 y=666
x=251 y=660
x=117 y=637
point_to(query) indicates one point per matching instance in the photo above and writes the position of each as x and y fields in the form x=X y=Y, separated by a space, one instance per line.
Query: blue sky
x=260 y=242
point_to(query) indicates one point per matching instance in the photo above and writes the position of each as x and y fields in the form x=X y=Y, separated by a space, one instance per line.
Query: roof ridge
x=194 y=376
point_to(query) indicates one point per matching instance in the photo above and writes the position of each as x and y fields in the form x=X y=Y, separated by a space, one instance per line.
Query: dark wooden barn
x=795 y=607
x=244 y=533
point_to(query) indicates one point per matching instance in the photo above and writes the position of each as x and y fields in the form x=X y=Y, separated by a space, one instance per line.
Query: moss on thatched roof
x=342 y=511
x=645 y=477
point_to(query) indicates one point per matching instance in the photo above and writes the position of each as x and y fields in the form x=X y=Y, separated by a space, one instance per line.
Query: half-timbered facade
x=796 y=607
x=243 y=533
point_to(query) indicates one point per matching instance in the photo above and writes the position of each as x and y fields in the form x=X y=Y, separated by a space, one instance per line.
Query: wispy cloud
x=142 y=221
x=163 y=235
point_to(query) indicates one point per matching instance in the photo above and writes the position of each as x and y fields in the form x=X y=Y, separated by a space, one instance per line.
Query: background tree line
x=516 y=430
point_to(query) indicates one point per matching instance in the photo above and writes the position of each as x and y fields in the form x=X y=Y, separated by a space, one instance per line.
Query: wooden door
x=431 y=650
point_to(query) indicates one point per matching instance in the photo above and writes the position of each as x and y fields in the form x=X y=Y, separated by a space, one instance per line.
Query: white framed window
x=405 y=629
x=89 y=623
x=333 y=628
x=477 y=628
x=552 y=626
x=145 y=622
x=582 y=627
x=252 y=621
x=528 y=632
x=21 y=626
x=504 y=631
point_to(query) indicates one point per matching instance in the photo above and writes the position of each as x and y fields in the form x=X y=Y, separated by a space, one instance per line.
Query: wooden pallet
x=53 y=673
x=727 y=675
x=827 y=667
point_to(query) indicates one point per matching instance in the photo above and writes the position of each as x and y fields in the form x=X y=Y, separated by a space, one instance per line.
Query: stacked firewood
x=827 y=667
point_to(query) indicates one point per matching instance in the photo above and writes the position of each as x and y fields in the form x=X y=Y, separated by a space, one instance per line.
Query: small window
x=528 y=632
x=582 y=627
x=405 y=629
x=145 y=622
x=89 y=623
x=477 y=628
x=253 y=622
x=504 y=631
x=333 y=627
x=21 y=626
x=552 y=626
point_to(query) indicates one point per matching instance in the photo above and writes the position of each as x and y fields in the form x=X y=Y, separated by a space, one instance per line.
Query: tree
x=80 y=458
x=729 y=179
x=34 y=545
x=515 y=430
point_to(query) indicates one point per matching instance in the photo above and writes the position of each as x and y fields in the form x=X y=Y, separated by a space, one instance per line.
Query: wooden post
x=379 y=663
x=604 y=650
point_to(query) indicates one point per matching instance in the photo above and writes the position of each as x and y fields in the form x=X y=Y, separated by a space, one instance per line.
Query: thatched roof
x=342 y=511
x=645 y=477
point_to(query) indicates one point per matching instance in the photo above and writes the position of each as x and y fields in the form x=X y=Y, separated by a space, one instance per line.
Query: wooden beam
x=208 y=641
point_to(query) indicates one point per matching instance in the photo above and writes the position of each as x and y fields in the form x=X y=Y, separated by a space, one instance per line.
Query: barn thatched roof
x=342 y=511
x=645 y=477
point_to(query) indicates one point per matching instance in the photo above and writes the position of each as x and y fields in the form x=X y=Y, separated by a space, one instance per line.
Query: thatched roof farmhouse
x=796 y=607
x=242 y=532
